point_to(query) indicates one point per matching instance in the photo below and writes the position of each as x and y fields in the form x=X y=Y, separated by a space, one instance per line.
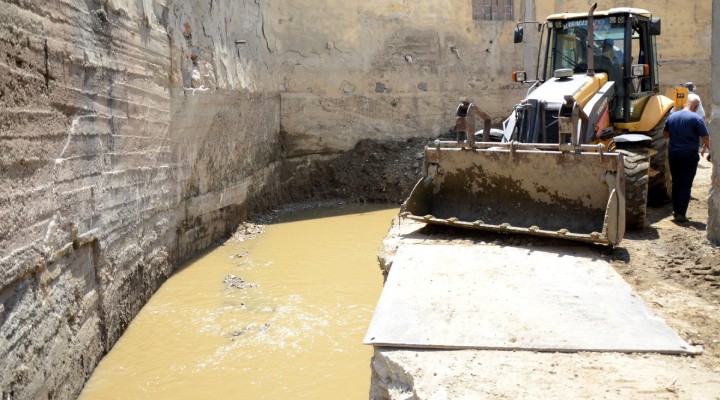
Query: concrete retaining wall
x=131 y=137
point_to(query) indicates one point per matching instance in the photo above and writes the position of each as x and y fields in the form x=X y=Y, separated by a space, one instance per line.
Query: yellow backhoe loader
x=579 y=157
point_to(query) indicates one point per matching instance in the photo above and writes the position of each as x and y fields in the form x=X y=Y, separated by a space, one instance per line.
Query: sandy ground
x=677 y=271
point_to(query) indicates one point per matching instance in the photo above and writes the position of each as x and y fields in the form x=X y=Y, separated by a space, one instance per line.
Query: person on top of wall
x=685 y=128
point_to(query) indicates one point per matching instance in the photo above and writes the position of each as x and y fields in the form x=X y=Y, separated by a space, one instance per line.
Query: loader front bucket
x=522 y=188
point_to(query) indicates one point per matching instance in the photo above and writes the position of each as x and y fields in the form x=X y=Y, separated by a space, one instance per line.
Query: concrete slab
x=493 y=297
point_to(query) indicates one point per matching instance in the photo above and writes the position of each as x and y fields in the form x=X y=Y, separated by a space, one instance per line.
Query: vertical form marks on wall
x=492 y=10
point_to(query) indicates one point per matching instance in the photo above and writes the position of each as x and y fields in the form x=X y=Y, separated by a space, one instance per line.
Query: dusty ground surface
x=677 y=271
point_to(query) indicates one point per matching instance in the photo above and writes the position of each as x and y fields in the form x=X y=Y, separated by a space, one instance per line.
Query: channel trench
x=279 y=315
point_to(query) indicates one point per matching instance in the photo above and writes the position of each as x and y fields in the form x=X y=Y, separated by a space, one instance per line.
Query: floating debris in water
x=238 y=282
x=243 y=331
x=239 y=255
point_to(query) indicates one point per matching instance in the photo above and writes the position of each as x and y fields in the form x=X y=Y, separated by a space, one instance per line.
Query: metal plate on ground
x=493 y=297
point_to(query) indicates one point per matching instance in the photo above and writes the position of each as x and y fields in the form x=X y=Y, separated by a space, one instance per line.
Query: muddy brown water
x=294 y=331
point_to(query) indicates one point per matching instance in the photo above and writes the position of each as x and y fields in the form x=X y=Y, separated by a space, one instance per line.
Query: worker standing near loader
x=685 y=129
x=700 y=110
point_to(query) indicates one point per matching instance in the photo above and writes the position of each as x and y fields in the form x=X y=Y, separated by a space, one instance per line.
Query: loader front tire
x=660 y=183
x=637 y=165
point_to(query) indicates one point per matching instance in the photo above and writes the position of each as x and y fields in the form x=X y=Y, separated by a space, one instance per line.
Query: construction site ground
x=672 y=267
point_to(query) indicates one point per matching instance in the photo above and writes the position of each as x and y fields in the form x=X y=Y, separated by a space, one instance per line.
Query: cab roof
x=612 y=11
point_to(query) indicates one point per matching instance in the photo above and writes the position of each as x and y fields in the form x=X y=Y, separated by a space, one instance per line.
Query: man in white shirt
x=691 y=90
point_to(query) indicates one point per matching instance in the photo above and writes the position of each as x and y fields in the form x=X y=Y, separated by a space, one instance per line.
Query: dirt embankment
x=373 y=171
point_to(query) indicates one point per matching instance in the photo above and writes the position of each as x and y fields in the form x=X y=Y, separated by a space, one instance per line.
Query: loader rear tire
x=660 y=183
x=636 y=186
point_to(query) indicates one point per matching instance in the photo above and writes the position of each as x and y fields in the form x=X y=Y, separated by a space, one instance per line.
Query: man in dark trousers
x=685 y=129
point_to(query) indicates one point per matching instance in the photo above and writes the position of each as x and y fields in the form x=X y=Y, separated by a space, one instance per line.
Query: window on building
x=492 y=10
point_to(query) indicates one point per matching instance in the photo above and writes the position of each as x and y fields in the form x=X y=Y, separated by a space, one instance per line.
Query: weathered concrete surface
x=491 y=374
x=376 y=69
x=474 y=374
x=87 y=190
x=495 y=297
x=131 y=138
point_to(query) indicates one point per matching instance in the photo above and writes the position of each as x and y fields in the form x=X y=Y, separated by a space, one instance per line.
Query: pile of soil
x=374 y=171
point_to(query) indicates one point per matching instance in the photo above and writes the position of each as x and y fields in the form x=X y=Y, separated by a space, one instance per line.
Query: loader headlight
x=519 y=76
x=562 y=73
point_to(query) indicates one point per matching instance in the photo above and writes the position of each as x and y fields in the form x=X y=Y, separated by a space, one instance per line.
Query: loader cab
x=622 y=46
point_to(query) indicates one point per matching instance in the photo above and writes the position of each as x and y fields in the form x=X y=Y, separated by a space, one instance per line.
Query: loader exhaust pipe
x=590 y=54
x=465 y=122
